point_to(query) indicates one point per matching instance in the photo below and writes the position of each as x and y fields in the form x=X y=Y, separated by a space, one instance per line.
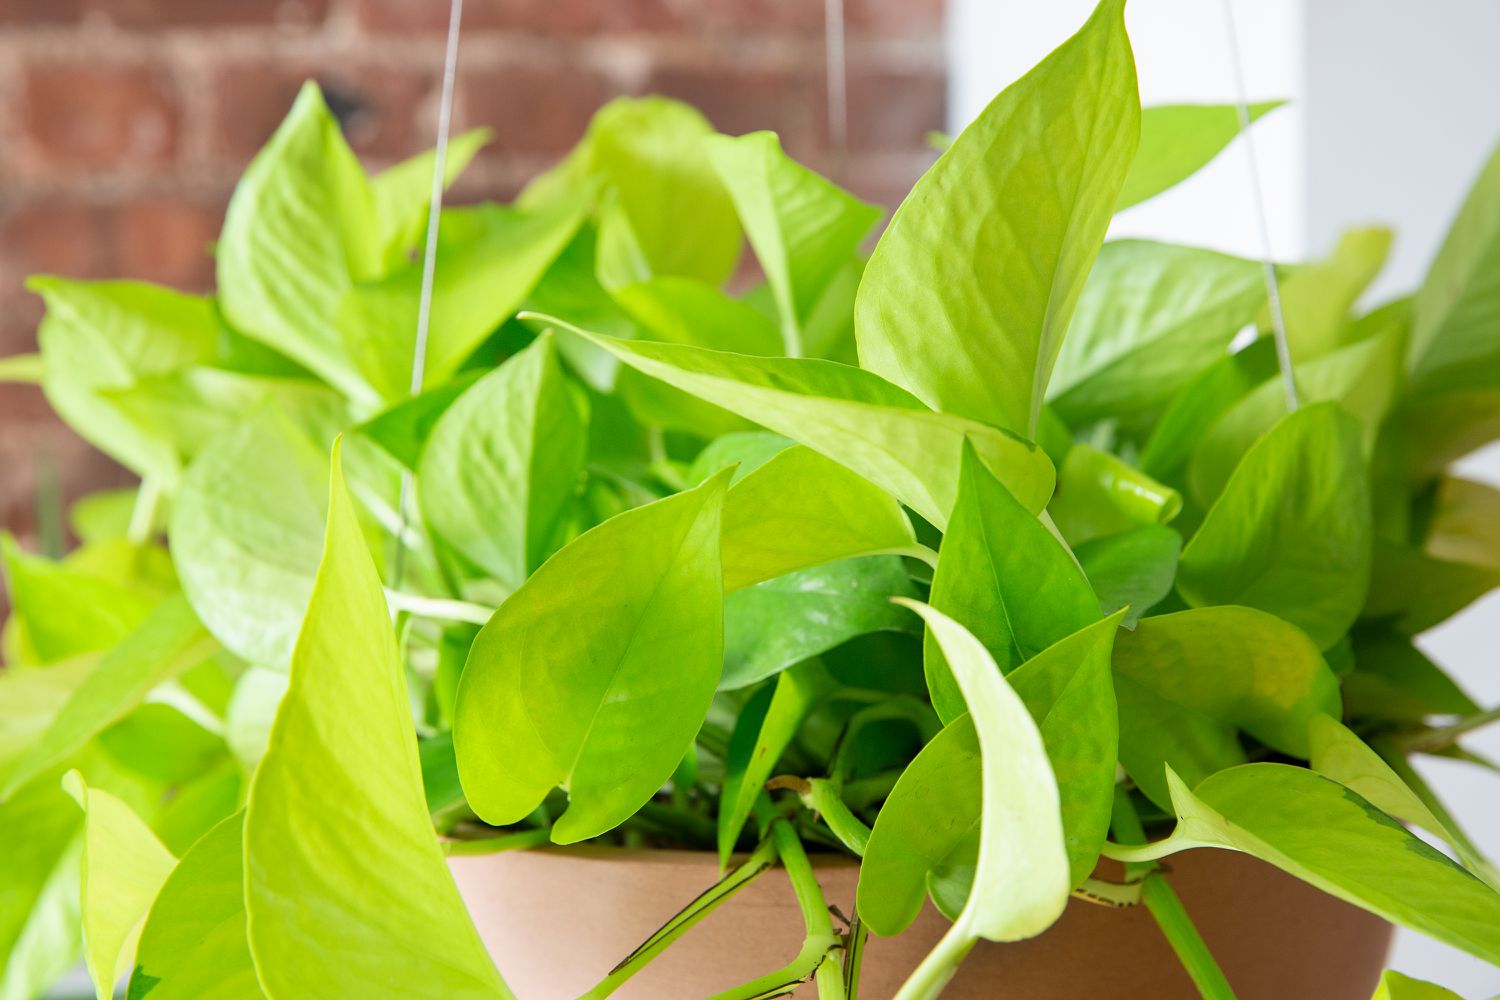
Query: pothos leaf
x=1029 y=189
x=337 y=820
x=598 y=671
x=1005 y=577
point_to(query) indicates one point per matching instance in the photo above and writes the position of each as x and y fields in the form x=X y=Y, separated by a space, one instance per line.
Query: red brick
x=574 y=17
x=40 y=11
x=788 y=102
x=380 y=107
x=166 y=241
x=152 y=14
x=531 y=110
x=895 y=15
x=105 y=117
x=893 y=110
x=56 y=237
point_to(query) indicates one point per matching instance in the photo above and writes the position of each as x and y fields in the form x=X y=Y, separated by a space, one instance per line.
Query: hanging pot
x=557 y=920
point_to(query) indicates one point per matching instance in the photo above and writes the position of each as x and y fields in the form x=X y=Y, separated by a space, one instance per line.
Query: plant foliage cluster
x=977 y=558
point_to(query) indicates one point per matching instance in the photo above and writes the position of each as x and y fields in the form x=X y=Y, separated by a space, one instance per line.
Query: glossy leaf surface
x=337 y=821
x=597 y=672
x=1291 y=532
x=1028 y=189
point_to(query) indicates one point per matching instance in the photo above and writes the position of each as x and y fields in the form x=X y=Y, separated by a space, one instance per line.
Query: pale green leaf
x=32 y=699
x=1200 y=404
x=775 y=624
x=1179 y=139
x=852 y=416
x=803 y=228
x=246 y=538
x=124 y=866
x=1329 y=836
x=969 y=292
x=1465 y=522
x=1362 y=378
x=101 y=336
x=401 y=193
x=299 y=232
x=1344 y=757
x=1290 y=534
x=1151 y=317
x=403 y=429
x=651 y=153
x=799 y=509
x=193 y=944
x=167 y=643
x=1188 y=683
x=337 y=820
x=596 y=674
x=489 y=259
x=1316 y=299
x=1452 y=343
x=1021 y=880
x=71 y=607
x=1099 y=494
x=497 y=478
x=1004 y=576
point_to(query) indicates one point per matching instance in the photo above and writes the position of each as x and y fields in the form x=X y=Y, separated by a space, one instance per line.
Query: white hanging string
x=1257 y=199
x=838 y=87
x=429 y=261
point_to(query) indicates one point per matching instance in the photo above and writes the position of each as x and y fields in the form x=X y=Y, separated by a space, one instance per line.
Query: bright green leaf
x=193 y=944
x=1395 y=986
x=852 y=416
x=402 y=191
x=799 y=509
x=1099 y=494
x=169 y=642
x=1362 y=378
x=1290 y=534
x=1317 y=298
x=1452 y=342
x=1028 y=190
x=489 y=259
x=65 y=609
x=1198 y=407
x=1006 y=578
x=498 y=475
x=597 y=672
x=299 y=232
x=1188 y=683
x=775 y=624
x=41 y=841
x=1151 y=317
x=403 y=429
x=1132 y=570
x=100 y=336
x=337 y=821
x=1179 y=139
x=803 y=228
x=1329 y=836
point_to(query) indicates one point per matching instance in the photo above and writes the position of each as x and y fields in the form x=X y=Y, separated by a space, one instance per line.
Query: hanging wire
x=429 y=263
x=1268 y=266
x=838 y=86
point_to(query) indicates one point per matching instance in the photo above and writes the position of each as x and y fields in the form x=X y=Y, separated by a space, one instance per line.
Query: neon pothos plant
x=978 y=559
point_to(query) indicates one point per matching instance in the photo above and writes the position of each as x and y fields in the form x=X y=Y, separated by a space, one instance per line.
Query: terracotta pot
x=557 y=920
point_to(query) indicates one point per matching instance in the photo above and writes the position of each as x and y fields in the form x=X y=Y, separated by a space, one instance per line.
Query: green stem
x=1164 y=905
x=143 y=515
x=854 y=955
x=941 y=963
x=822 y=797
x=756 y=864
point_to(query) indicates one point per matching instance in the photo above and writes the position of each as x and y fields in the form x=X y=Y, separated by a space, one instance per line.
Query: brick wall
x=124 y=123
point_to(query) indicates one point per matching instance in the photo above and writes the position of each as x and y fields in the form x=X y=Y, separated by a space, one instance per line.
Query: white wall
x=1396 y=103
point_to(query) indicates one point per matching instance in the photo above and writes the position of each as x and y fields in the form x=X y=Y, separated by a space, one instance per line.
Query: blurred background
x=124 y=124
